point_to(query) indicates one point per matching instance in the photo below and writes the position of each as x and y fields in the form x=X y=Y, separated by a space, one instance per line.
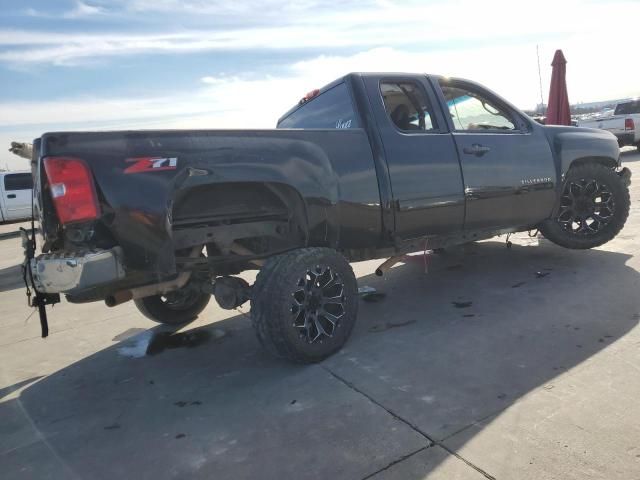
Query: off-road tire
x=157 y=309
x=275 y=309
x=552 y=228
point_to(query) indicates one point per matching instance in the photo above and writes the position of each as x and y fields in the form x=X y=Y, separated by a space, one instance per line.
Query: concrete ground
x=8 y=230
x=519 y=363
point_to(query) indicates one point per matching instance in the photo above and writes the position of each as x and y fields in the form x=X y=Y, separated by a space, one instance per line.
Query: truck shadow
x=442 y=351
x=629 y=155
x=11 y=278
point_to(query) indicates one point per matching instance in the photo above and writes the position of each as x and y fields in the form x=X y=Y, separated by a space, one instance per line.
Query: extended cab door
x=507 y=164
x=16 y=193
x=420 y=154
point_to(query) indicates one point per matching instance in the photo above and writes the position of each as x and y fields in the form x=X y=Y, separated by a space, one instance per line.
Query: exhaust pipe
x=162 y=288
x=118 y=298
x=387 y=264
x=177 y=283
x=123 y=296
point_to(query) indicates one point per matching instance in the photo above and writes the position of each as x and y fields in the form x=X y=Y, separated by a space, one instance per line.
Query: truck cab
x=451 y=156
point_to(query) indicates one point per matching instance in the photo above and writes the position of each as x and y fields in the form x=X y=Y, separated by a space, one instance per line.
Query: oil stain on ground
x=462 y=304
x=373 y=297
x=153 y=343
x=389 y=325
x=182 y=403
x=164 y=340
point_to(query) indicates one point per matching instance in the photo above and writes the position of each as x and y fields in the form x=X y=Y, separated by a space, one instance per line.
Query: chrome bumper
x=72 y=272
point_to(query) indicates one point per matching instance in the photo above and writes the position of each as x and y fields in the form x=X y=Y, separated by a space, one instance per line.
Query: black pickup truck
x=370 y=166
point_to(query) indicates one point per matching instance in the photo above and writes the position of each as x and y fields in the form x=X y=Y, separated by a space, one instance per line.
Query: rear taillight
x=72 y=189
x=628 y=124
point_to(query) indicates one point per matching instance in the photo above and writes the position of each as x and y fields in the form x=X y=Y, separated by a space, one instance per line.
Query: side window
x=330 y=109
x=18 y=181
x=407 y=106
x=472 y=111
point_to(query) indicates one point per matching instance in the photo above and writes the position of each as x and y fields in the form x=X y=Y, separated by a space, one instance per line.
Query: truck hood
x=554 y=130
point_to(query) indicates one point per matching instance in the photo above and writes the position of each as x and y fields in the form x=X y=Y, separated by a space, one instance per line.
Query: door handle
x=476 y=149
x=11 y=195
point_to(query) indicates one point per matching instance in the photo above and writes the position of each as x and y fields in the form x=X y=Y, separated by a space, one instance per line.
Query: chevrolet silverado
x=370 y=166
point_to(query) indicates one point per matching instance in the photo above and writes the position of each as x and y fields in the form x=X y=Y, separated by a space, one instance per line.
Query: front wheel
x=593 y=208
x=304 y=304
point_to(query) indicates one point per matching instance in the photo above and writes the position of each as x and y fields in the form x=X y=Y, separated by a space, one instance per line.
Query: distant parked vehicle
x=15 y=200
x=542 y=120
x=624 y=123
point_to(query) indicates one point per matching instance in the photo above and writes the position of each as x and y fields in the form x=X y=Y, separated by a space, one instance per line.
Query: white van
x=15 y=196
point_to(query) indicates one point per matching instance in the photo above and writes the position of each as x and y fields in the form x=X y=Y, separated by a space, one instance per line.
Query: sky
x=148 y=64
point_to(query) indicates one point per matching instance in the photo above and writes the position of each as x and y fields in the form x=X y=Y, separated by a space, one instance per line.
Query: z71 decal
x=151 y=164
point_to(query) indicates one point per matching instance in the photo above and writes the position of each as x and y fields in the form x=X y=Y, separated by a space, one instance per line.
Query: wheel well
x=236 y=199
x=261 y=216
x=605 y=161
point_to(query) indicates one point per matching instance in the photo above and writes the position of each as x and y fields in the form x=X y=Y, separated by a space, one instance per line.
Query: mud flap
x=625 y=176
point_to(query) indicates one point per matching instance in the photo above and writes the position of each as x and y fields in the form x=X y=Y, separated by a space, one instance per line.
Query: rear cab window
x=628 y=108
x=332 y=108
x=18 y=181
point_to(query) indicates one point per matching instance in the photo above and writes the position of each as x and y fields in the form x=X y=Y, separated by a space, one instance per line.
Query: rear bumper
x=72 y=272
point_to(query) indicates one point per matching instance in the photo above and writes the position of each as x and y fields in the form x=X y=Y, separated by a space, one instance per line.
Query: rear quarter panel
x=331 y=170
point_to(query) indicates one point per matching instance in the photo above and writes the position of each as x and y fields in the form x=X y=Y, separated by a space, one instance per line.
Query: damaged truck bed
x=370 y=166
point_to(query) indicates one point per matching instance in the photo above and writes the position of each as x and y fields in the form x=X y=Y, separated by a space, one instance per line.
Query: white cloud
x=83 y=9
x=256 y=102
x=217 y=80
x=80 y=10
x=207 y=7
x=490 y=42
x=443 y=25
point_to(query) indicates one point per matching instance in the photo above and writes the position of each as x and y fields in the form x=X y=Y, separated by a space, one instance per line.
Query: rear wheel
x=304 y=304
x=174 y=308
x=593 y=208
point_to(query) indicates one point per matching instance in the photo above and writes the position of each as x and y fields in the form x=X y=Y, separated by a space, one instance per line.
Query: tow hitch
x=35 y=299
